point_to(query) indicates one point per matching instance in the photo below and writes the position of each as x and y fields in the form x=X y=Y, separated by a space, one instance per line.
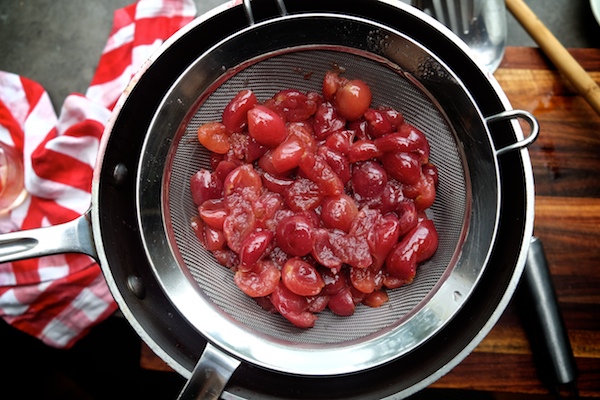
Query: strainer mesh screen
x=304 y=70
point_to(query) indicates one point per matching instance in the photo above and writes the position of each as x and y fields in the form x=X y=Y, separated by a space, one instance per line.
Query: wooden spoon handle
x=556 y=52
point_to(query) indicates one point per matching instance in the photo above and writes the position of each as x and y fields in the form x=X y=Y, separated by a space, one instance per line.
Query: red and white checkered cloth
x=59 y=298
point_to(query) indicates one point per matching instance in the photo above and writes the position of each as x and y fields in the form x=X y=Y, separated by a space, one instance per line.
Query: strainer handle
x=534 y=127
x=71 y=237
x=210 y=375
x=250 y=14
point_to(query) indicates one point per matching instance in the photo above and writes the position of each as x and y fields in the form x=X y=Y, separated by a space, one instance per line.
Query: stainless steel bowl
x=140 y=205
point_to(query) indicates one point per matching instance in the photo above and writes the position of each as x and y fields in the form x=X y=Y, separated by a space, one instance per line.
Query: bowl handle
x=210 y=375
x=71 y=237
x=534 y=127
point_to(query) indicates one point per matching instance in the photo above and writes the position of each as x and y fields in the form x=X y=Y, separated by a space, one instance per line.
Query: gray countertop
x=58 y=43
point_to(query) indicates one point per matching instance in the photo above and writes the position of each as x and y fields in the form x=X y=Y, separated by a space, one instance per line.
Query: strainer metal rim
x=299 y=359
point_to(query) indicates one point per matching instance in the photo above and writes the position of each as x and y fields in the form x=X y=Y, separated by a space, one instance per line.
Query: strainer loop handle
x=534 y=128
x=250 y=14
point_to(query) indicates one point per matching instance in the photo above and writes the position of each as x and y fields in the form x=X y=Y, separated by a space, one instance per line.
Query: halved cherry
x=238 y=146
x=365 y=221
x=432 y=171
x=384 y=238
x=317 y=303
x=331 y=83
x=376 y=299
x=315 y=168
x=334 y=281
x=360 y=128
x=213 y=213
x=417 y=246
x=363 y=150
x=394 y=116
x=353 y=99
x=242 y=178
x=428 y=240
x=426 y=197
x=224 y=167
x=327 y=121
x=357 y=295
x=323 y=250
x=338 y=162
x=254 y=150
x=418 y=137
x=303 y=195
x=254 y=247
x=365 y=280
x=239 y=223
x=266 y=126
x=369 y=179
x=197 y=226
x=423 y=192
x=265 y=163
x=294 y=235
x=215 y=159
x=227 y=258
x=265 y=209
x=293 y=104
x=292 y=306
x=396 y=142
x=338 y=212
x=342 y=303
x=378 y=123
x=304 y=131
x=288 y=154
x=352 y=250
x=301 y=277
x=215 y=238
x=260 y=281
x=391 y=197
x=407 y=215
x=340 y=141
x=234 y=115
x=205 y=185
x=404 y=167
x=214 y=136
x=276 y=184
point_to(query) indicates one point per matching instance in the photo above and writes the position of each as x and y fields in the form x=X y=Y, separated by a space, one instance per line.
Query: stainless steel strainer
x=290 y=70
x=401 y=74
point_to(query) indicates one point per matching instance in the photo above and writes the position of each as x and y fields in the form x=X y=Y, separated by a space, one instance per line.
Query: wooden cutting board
x=566 y=163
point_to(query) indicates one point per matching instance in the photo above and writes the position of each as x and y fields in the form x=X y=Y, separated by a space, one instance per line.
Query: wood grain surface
x=566 y=163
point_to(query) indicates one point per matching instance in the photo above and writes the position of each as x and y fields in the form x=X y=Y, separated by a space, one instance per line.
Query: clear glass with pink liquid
x=12 y=188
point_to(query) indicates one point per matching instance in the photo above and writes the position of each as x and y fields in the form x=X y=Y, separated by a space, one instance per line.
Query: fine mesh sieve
x=304 y=70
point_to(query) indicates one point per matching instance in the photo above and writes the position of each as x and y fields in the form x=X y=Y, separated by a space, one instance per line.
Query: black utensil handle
x=547 y=328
